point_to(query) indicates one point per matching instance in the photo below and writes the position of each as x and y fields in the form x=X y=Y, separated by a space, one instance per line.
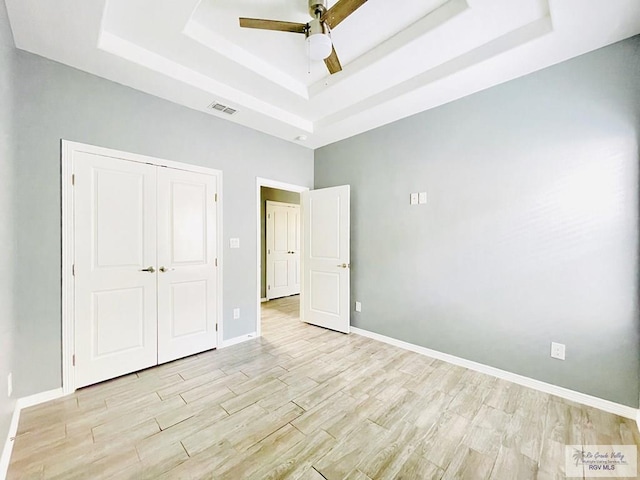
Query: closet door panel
x=187 y=303
x=115 y=291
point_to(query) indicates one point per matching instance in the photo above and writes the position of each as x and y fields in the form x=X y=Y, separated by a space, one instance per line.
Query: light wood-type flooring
x=302 y=402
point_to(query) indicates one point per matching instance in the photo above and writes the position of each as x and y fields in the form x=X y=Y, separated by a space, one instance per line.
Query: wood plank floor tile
x=306 y=403
x=250 y=397
x=511 y=464
x=417 y=466
x=468 y=464
x=112 y=429
x=297 y=461
x=392 y=452
x=247 y=463
x=350 y=451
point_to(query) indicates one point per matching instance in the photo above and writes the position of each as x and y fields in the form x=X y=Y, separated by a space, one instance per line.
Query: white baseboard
x=38 y=398
x=262 y=300
x=21 y=403
x=237 y=340
x=583 y=398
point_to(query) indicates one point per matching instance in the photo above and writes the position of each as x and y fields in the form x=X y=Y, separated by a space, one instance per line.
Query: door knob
x=344 y=265
x=165 y=269
x=150 y=269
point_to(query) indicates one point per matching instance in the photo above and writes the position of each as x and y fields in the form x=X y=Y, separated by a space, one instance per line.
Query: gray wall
x=59 y=102
x=7 y=222
x=275 y=195
x=530 y=233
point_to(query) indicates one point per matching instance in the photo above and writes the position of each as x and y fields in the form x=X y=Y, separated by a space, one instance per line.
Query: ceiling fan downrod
x=317 y=8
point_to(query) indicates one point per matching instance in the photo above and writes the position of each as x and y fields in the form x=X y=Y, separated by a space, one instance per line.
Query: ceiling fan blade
x=278 y=25
x=332 y=62
x=340 y=11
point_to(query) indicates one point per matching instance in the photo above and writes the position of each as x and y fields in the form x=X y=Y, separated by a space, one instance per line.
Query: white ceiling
x=399 y=57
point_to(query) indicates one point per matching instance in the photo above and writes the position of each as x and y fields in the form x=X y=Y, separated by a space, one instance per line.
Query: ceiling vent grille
x=222 y=108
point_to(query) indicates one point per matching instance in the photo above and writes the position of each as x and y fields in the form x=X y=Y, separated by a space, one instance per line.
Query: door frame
x=266 y=182
x=283 y=204
x=68 y=149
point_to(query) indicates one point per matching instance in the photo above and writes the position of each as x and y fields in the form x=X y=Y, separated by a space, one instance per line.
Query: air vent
x=222 y=108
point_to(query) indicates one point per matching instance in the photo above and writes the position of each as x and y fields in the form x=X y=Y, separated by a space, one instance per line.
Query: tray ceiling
x=399 y=58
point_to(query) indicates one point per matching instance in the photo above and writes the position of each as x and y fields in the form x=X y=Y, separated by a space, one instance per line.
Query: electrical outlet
x=9 y=384
x=358 y=307
x=557 y=350
x=236 y=313
x=234 y=243
x=413 y=199
x=422 y=197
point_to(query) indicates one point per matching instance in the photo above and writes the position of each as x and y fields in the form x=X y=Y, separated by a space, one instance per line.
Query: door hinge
x=269 y=216
x=73 y=269
x=268 y=287
x=216 y=262
x=73 y=179
x=215 y=197
x=216 y=327
x=73 y=360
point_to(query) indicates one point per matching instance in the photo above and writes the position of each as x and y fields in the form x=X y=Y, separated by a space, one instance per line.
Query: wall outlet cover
x=558 y=350
x=358 y=307
x=236 y=313
x=413 y=199
x=234 y=243
x=422 y=197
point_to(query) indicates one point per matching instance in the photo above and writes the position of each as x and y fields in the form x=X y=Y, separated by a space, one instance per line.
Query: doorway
x=325 y=252
x=269 y=190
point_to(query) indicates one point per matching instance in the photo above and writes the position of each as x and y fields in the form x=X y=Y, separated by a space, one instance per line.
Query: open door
x=324 y=299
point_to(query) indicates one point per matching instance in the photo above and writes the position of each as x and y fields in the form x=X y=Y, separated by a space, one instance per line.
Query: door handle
x=165 y=269
x=149 y=269
x=344 y=265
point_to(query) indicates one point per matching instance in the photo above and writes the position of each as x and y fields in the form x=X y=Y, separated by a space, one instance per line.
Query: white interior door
x=283 y=249
x=187 y=303
x=324 y=299
x=115 y=238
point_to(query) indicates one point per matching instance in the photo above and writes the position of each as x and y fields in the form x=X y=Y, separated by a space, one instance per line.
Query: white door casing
x=187 y=303
x=115 y=240
x=283 y=249
x=325 y=293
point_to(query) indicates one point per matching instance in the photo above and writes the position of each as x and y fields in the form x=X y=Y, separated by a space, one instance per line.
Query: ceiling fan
x=317 y=31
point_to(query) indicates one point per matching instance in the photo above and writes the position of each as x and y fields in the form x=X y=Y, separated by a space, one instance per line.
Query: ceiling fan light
x=319 y=46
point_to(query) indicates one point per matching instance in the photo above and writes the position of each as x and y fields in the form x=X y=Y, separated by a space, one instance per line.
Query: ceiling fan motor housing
x=317 y=8
x=317 y=27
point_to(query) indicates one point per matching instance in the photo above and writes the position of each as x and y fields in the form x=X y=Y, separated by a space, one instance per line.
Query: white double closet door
x=145 y=265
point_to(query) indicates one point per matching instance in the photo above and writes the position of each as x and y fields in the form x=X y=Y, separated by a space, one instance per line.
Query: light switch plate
x=358 y=307
x=234 y=243
x=236 y=313
x=422 y=197
x=413 y=199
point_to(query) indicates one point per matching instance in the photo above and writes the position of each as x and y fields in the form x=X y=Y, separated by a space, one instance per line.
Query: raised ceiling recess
x=395 y=59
